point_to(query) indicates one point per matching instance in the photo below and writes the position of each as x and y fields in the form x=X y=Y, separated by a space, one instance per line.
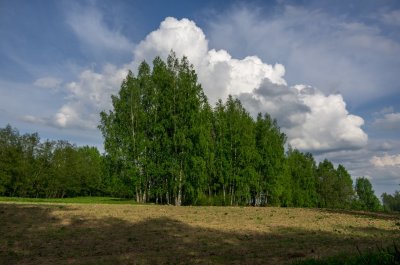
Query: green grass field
x=97 y=231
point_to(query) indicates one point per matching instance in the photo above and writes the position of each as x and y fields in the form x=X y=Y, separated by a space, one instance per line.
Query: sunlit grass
x=101 y=233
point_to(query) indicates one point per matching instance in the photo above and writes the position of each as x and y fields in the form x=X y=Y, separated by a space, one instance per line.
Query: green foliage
x=391 y=202
x=30 y=168
x=334 y=186
x=366 y=196
x=165 y=144
x=344 y=187
x=302 y=170
x=155 y=135
x=163 y=135
x=271 y=160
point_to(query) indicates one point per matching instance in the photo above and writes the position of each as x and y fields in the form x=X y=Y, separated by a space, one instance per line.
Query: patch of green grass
x=89 y=200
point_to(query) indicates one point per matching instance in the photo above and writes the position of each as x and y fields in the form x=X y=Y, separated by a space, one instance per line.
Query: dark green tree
x=366 y=196
x=11 y=159
x=391 y=202
x=271 y=182
x=302 y=172
x=344 y=187
x=326 y=184
x=153 y=129
x=334 y=186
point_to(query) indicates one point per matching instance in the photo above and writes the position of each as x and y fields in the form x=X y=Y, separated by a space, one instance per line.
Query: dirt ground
x=151 y=234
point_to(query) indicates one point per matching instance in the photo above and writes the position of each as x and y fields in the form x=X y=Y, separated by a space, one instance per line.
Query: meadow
x=107 y=231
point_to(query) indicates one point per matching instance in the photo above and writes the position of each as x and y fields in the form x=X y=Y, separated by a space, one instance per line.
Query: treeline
x=56 y=169
x=166 y=144
x=49 y=169
x=391 y=202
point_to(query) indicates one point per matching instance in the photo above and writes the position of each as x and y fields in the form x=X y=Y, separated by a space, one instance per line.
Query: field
x=75 y=233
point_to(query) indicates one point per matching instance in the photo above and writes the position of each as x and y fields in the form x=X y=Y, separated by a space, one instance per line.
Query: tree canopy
x=164 y=138
x=391 y=202
x=164 y=143
x=30 y=168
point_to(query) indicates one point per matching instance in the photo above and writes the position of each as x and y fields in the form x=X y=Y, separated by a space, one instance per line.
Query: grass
x=63 y=233
x=91 y=200
x=379 y=256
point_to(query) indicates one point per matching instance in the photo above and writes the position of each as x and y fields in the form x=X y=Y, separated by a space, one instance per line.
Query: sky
x=328 y=71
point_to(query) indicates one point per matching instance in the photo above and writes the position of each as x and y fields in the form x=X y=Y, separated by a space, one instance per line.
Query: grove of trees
x=391 y=202
x=165 y=140
x=164 y=143
x=49 y=169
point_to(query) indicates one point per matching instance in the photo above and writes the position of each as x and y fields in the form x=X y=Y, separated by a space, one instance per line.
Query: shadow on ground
x=33 y=235
x=370 y=215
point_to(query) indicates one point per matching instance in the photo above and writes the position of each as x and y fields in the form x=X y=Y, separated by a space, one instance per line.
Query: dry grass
x=150 y=234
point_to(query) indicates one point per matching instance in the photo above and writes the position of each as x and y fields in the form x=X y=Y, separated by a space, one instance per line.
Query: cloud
x=183 y=36
x=85 y=99
x=392 y=18
x=218 y=72
x=388 y=121
x=328 y=126
x=386 y=160
x=333 y=53
x=48 y=82
x=33 y=119
x=312 y=120
x=88 y=96
x=89 y=26
x=236 y=76
x=280 y=101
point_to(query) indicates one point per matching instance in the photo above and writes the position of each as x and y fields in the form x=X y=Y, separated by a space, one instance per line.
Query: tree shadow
x=34 y=235
x=372 y=215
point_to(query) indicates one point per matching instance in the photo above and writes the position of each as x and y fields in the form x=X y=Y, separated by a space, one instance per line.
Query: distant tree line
x=49 y=169
x=391 y=202
x=165 y=144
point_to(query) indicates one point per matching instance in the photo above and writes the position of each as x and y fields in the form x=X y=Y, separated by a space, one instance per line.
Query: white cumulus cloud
x=328 y=125
x=386 y=160
x=183 y=36
x=334 y=53
x=311 y=119
x=89 y=95
x=218 y=72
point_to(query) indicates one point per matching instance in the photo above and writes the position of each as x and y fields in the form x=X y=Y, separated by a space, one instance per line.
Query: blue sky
x=327 y=70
